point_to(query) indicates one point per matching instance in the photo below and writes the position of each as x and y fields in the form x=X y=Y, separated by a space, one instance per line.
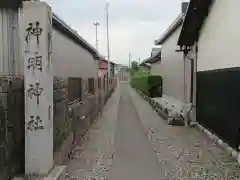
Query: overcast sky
x=133 y=24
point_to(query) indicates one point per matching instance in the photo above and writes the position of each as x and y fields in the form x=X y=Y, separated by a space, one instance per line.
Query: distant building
x=155 y=51
x=147 y=64
x=171 y=64
x=103 y=67
x=117 y=68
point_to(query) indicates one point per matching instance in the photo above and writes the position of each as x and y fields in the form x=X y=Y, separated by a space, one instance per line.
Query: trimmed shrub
x=150 y=85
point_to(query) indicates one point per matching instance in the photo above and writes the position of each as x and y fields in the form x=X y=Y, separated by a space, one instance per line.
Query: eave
x=197 y=12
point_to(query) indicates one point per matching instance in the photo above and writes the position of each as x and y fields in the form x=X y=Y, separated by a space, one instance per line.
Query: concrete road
x=134 y=157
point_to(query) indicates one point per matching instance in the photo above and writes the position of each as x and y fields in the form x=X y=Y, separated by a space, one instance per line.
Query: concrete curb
x=154 y=104
x=157 y=107
x=232 y=152
x=229 y=150
x=55 y=173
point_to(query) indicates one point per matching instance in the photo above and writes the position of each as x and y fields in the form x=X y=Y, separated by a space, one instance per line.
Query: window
x=104 y=82
x=99 y=83
x=74 y=89
x=91 y=89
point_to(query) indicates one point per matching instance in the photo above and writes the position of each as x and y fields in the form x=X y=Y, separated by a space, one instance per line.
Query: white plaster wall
x=70 y=59
x=187 y=82
x=171 y=68
x=156 y=68
x=220 y=37
x=188 y=60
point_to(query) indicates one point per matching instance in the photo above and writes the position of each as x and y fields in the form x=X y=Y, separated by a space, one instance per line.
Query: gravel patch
x=184 y=153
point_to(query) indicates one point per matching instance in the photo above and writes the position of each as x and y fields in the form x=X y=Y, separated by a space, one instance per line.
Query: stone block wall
x=62 y=126
x=12 y=130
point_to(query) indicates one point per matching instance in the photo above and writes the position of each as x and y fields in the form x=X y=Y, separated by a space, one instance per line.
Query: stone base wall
x=62 y=124
x=72 y=120
x=68 y=125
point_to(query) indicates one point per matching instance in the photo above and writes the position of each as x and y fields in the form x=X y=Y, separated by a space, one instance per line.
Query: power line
x=108 y=45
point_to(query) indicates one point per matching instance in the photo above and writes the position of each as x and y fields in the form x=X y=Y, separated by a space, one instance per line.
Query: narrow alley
x=130 y=141
x=119 y=90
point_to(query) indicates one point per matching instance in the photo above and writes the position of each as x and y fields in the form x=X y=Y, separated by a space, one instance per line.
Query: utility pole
x=129 y=60
x=130 y=63
x=96 y=24
x=108 y=45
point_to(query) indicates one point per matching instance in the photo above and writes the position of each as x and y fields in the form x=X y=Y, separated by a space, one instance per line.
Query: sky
x=133 y=24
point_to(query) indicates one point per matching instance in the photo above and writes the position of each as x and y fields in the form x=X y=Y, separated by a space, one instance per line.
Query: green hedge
x=149 y=85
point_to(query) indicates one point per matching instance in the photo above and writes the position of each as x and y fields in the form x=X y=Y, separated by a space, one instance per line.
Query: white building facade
x=171 y=66
x=211 y=46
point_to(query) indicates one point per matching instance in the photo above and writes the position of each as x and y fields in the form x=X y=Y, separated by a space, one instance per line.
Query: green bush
x=148 y=84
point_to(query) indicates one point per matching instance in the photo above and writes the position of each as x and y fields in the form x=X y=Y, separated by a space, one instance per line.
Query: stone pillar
x=38 y=82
